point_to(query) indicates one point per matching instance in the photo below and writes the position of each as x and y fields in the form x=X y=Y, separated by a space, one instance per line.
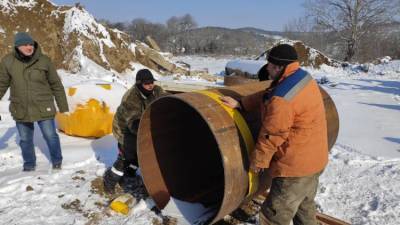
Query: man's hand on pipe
x=230 y=102
x=254 y=168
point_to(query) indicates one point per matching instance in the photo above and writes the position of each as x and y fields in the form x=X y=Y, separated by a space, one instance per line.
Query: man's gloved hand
x=110 y=179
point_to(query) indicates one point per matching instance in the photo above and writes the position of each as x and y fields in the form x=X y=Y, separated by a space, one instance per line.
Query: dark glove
x=110 y=179
x=130 y=170
x=135 y=127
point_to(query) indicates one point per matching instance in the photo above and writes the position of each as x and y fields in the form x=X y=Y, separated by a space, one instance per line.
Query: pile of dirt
x=307 y=56
x=69 y=33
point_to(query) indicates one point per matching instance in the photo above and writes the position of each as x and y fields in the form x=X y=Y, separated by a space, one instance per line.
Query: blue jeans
x=48 y=128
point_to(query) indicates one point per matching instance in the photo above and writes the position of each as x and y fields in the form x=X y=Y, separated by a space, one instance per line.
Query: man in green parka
x=34 y=84
x=126 y=124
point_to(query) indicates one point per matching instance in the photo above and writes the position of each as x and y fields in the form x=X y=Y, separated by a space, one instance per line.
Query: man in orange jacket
x=292 y=145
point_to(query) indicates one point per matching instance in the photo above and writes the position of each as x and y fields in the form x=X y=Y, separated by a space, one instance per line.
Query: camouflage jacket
x=132 y=106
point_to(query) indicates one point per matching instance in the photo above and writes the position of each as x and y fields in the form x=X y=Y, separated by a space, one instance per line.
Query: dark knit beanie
x=23 y=38
x=282 y=55
x=143 y=76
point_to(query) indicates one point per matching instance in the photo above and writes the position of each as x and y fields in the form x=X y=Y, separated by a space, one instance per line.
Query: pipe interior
x=187 y=153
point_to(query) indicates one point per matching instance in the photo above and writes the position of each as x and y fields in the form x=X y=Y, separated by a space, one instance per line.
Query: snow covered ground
x=361 y=183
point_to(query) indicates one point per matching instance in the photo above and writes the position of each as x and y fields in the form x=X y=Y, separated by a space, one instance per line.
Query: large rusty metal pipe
x=190 y=149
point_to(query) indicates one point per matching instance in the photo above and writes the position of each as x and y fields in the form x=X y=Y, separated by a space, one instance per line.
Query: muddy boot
x=110 y=179
x=129 y=177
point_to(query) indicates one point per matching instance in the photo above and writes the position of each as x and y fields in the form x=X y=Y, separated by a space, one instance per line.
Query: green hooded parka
x=33 y=87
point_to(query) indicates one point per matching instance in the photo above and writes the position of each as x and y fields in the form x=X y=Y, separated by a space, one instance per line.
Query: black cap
x=143 y=76
x=23 y=38
x=282 y=55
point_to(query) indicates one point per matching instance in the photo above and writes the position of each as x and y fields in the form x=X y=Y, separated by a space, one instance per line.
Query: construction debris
x=152 y=43
x=153 y=59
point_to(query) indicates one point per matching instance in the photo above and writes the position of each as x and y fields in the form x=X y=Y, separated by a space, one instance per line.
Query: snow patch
x=80 y=21
x=200 y=63
x=55 y=13
x=93 y=90
x=12 y=5
x=359 y=188
x=87 y=66
x=313 y=54
x=385 y=59
x=132 y=47
x=276 y=37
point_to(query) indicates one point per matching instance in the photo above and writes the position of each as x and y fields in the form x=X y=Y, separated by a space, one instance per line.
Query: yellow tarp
x=93 y=119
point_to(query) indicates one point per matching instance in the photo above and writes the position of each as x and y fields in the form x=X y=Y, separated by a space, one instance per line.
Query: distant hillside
x=65 y=34
x=218 y=40
x=265 y=33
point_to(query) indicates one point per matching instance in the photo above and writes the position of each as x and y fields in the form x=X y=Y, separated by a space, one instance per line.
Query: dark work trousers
x=127 y=156
x=291 y=199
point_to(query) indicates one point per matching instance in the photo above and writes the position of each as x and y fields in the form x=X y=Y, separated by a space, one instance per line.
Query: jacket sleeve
x=276 y=124
x=57 y=88
x=5 y=80
x=133 y=112
x=134 y=109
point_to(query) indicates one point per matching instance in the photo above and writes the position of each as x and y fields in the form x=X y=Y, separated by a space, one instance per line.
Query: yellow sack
x=91 y=119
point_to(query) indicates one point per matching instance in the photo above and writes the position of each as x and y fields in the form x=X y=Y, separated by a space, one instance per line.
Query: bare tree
x=350 y=19
x=119 y=26
x=177 y=28
x=303 y=29
x=301 y=24
x=299 y=28
x=181 y=24
x=140 y=28
x=172 y=24
x=187 y=23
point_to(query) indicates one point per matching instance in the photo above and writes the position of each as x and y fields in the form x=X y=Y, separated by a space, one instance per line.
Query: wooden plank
x=160 y=60
x=152 y=43
x=324 y=219
x=148 y=56
x=183 y=87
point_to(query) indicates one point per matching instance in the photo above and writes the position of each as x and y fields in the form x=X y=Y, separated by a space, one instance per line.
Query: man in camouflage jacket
x=34 y=84
x=126 y=124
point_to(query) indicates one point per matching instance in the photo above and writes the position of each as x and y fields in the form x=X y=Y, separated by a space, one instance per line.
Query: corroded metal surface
x=332 y=118
x=189 y=148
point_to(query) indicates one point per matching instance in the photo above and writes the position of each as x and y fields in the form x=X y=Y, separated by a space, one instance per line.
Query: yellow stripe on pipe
x=244 y=131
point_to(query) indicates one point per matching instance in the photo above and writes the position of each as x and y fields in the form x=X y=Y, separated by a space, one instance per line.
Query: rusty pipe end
x=189 y=149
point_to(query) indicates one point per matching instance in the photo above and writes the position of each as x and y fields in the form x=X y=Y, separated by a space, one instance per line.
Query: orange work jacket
x=292 y=141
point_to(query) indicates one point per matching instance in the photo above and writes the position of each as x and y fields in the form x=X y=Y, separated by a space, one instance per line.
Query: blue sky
x=265 y=14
